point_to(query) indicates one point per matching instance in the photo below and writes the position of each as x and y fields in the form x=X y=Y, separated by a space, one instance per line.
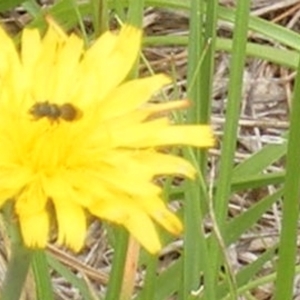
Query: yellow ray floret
x=76 y=139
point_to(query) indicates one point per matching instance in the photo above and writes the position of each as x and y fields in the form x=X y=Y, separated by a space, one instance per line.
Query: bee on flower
x=89 y=145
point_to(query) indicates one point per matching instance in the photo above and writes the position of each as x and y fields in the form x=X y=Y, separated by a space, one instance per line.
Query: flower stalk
x=131 y=264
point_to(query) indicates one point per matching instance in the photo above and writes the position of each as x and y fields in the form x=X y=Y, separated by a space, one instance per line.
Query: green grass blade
x=135 y=13
x=240 y=224
x=223 y=188
x=192 y=210
x=246 y=274
x=117 y=271
x=70 y=277
x=168 y=282
x=201 y=50
x=20 y=256
x=100 y=16
x=269 y=29
x=32 y=7
x=42 y=275
x=282 y=57
x=150 y=282
x=290 y=205
x=260 y=160
x=252 y=284
x=257 y=181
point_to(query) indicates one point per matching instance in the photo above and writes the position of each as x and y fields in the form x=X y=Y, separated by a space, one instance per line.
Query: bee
x=55 y=112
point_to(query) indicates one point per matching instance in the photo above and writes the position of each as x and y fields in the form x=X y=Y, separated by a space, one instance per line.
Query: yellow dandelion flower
x=76 y=139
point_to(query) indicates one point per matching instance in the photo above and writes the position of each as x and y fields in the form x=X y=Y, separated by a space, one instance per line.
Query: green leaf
x=9 y=4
